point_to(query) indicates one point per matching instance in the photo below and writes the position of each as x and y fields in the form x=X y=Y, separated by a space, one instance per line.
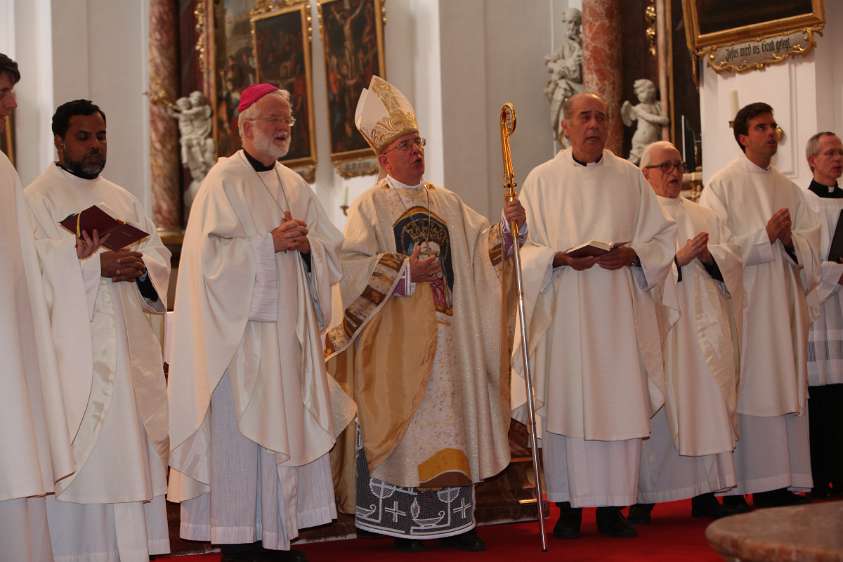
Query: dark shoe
x=706 y=505
x=820 y=492
x=734 y=505
x=570 y=520
x=611 y=523
x=469 y=541
x=281 y=556
x=778 y=498
x=240 y=552
x=640 y=513
x=410 y=545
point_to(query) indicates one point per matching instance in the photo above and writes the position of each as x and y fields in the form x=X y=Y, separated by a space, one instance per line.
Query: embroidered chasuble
x=427 y=363
x=774 y=327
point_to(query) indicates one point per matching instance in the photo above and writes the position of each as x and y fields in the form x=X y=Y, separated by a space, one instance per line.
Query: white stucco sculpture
x=648 y=113
x=565 y=69
x=198 y=152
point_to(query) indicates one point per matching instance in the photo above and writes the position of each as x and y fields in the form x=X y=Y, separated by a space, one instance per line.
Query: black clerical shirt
x=830 y=191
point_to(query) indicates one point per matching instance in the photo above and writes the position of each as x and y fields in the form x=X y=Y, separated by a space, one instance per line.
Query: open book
x=121 y=234
x=593 y=248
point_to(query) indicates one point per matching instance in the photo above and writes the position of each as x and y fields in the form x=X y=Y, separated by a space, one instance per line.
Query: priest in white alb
x=34 y=441
x=252 y=412
x=824 y=152
x=689 y=454
x=421 y=339
x=778 y=236
x=109 y=358
x=596 y=350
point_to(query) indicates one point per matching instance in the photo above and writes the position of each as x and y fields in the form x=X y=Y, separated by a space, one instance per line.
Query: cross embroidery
x=463 y=508
x=394 y=511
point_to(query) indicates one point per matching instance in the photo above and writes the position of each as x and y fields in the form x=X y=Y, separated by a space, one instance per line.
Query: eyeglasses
x=669 y=165
x=289 y=121
x=407 y=144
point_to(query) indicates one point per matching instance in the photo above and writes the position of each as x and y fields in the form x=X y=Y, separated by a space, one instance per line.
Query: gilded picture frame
x=712 y=26
x=281 y=38
x=7 y=137
x=353 y=41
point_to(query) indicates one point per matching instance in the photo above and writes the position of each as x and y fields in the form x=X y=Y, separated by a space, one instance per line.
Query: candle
x=735 y=105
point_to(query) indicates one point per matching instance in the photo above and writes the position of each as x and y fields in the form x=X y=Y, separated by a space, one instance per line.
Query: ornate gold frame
x=362 y=161
x=706 y=45
x=272 y=9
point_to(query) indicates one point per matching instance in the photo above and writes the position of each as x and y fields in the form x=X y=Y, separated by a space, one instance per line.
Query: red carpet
x=672 y=536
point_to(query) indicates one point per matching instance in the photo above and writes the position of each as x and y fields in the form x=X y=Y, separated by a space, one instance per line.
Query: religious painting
x=232 y=66
x=713 y=24
x=281 y=43
x=352 y=35
x=7 y=137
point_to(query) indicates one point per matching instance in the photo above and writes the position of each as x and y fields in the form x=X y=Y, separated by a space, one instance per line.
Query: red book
x=120 y=234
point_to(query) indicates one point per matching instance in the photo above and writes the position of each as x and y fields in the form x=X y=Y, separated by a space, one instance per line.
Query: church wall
x=94 y=49
x=805 y=92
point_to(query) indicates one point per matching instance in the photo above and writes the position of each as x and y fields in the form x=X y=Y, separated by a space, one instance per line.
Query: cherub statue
x=565 y=68
x=648 y=113
x=197 y=145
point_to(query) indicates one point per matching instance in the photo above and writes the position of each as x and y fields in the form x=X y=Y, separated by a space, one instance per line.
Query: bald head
x=662 y=165
x=586 y=124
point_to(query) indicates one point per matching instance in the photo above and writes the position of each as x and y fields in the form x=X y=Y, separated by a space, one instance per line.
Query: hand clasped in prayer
x=696 y=247
x=778 y=228
x=122 y=265
x=291 y=234
x=424 y=269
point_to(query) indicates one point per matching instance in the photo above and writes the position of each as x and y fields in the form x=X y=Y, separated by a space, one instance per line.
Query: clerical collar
x=822 y=190
x=74 y=174
x=755 y=166
x=395 y=184
x=586 y=164
x=257 y=164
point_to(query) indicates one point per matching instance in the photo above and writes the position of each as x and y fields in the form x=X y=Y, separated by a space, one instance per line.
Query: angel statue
x=198 y=152
x=648 y=113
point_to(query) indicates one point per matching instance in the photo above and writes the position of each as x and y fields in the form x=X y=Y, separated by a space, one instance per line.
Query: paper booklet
x=121 y=234
x=593 y=248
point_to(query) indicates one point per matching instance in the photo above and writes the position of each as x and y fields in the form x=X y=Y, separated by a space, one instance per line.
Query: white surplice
x=774 y=325
x=112 y=378
x=595 y=345
x=825 y=347
x=690 y=449
x=35 y=447
x=247 y=371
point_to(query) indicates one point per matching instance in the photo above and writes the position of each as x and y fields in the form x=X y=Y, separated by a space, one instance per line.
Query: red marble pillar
x=602 y=62
x=165 y=168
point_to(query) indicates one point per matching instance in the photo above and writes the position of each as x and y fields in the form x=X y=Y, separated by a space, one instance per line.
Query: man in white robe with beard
x=777 y=235
x=689 y=453
x=34 y=440
x=252 y=412
x=597 y=357
x=824 y=152
x=110 y=360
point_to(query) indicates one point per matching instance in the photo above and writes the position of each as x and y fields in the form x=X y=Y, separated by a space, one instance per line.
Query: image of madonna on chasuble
x=428 y=366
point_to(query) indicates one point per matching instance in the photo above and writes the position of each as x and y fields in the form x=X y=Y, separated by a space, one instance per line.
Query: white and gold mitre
x=383 y=114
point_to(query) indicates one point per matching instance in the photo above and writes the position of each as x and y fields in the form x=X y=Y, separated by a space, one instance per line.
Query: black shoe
x=640 y=513
x=734 y=505
x=778 y=498
x=706 y=505
x=570 y=520
x=469 y=541
x=248 y=552
x=611 y=523
x=410 y=545
x=281 y=556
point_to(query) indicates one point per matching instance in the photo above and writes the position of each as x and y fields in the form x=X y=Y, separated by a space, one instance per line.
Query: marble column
x=602 y=62
x=165 y=169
